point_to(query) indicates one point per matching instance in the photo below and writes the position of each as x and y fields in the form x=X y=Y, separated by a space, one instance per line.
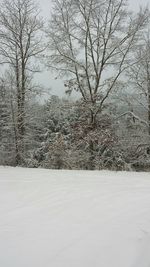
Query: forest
x=101 y=51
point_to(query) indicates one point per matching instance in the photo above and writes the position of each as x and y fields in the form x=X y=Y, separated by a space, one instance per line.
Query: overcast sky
x=47 y=78
x=46 y=5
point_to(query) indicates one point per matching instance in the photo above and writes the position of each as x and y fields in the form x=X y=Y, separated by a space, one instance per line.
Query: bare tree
x=20 y=44
x=92 y=40
x=140 y=77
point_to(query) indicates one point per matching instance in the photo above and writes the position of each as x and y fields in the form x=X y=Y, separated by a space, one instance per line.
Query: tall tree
x=20 y=44
x=139 y=75
x=7 y=145
x=92 y=42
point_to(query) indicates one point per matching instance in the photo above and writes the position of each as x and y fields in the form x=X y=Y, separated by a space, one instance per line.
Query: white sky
x=46 y=5
x=47 y=78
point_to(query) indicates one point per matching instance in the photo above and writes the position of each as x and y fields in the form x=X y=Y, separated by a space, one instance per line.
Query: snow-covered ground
x=74 y=219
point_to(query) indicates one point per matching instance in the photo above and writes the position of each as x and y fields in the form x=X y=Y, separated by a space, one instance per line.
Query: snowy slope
x=74 y=219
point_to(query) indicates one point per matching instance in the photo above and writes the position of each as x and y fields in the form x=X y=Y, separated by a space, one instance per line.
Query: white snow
x=74 y=218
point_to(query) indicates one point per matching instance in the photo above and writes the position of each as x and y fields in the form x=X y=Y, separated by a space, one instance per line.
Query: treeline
x=103 y=52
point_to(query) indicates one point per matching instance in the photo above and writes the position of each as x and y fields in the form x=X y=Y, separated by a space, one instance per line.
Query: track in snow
x=74 y=218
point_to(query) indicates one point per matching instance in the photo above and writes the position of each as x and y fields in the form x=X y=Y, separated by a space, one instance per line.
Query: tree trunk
x=149 y=109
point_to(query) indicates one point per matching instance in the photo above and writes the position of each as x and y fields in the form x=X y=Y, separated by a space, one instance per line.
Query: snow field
x=74 y=218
